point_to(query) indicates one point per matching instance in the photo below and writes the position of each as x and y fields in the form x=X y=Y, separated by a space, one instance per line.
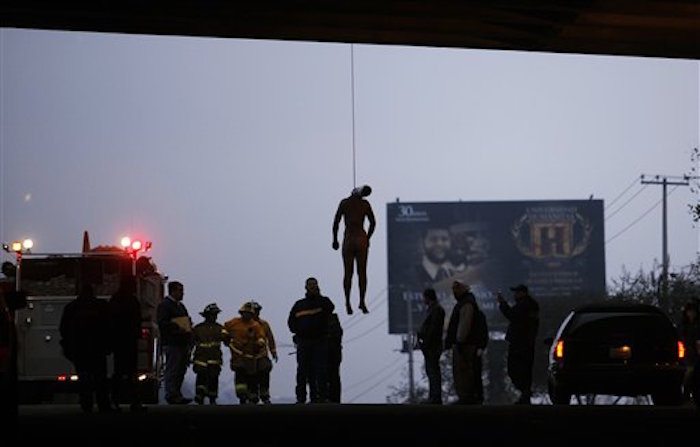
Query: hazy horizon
x=231 y=155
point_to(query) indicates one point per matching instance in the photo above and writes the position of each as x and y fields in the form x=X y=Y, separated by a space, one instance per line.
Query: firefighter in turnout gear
x=247 y=345
x=264 y=366
x=207 y=359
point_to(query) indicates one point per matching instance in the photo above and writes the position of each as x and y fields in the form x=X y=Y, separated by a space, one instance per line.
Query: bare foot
x=363 y=308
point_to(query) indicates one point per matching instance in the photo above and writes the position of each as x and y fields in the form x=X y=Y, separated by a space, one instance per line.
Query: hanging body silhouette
x=354 y=209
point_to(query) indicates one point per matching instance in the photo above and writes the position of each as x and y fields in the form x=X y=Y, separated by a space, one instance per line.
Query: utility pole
x=664 y=181
x=409 y=346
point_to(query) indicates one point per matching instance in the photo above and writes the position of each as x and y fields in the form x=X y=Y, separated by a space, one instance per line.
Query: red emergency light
x=135 y=246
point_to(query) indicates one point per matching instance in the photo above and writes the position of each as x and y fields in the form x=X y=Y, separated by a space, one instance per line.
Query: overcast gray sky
x=231 y=156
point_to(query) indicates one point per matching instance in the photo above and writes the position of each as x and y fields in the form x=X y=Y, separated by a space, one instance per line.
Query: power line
x=634 y=182
x=374 y=375
x=382 y=380
x=640 y=217
x=365 y=332
x=625 y=204
x=373 y=308
x=664 y=181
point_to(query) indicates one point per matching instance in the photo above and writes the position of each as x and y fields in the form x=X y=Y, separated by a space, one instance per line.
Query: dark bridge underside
x=655 y=28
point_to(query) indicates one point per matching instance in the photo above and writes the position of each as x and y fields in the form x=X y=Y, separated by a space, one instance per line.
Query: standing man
x=125 y=316
x=430 y=342
x=308 y=321
x=523 y=324
x=247 y=347
x=689 y=331
x=11 y=300
x=335 y=357
x=354 y=209
x=461 y=338
x=207 y=357
x=176 y=334
x=264 y=363
x=85 y=339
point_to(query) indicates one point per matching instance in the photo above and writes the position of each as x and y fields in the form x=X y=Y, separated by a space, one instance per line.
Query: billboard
x=555 y=247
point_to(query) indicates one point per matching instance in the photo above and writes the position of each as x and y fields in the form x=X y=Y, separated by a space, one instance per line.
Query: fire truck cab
x=51 y=281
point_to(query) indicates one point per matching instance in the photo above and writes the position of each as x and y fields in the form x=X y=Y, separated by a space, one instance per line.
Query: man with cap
x=206 y=360
x=523 y=324
x=247 y=345
x=308 y=322
x=461 y=339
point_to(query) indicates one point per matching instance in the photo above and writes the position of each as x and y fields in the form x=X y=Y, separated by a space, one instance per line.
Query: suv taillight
x=559 y=350
x=681 y=350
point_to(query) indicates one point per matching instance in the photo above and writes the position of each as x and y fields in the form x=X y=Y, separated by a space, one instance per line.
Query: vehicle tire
x=669 y=396
x=695 y=391
x=558 y=394
x=149 y=391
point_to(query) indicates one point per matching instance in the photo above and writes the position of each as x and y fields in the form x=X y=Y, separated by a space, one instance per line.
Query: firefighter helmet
x=256 y=306
x=211 y=309
x=247 y=307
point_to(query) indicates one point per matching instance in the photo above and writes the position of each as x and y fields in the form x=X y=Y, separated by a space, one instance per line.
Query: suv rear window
x=638 y=325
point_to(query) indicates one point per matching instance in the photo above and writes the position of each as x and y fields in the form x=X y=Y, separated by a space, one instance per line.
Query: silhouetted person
x=207 y=357
x=247 y=345
x=690 y=335
x=430 y=342
x=523 y=324
x=176 y=338
x=308 y=321
x=461 y=338
x=10 y=301
x=85 y=340
x=125 y=317
x=335 y=357
x=264 y=367
x=354 y=209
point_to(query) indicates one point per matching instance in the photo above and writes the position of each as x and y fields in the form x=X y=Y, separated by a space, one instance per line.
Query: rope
x=352 y=92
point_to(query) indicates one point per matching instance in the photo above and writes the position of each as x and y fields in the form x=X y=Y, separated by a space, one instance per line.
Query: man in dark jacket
x=176 y=335
x=125 y=316
x=84 y=329
x=335 y=357
x=11 y=300
x=308 y=321
x=523 y=324
x=461 y=338
x=430 y=342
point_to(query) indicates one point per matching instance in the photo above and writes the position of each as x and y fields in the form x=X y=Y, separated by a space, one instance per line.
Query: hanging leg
x=347 y=278
x=362 y=278
x=362 y=253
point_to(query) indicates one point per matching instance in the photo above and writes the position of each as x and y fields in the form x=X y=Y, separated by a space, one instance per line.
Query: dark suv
x=616 y=349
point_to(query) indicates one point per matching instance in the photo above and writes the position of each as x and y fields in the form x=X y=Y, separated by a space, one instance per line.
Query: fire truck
x=52 y=280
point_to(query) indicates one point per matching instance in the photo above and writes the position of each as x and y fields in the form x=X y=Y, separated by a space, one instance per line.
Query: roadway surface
x=360 y=425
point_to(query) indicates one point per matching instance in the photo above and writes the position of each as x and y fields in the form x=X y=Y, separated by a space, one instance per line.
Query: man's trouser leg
x=320 y=368
x=520 y=364
x=303 y=377
x=175 y=367
x=432 y=370
x=241 y=381
x=201 y=387
x=213 y=372
x=264 y=385
x=463 y=372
